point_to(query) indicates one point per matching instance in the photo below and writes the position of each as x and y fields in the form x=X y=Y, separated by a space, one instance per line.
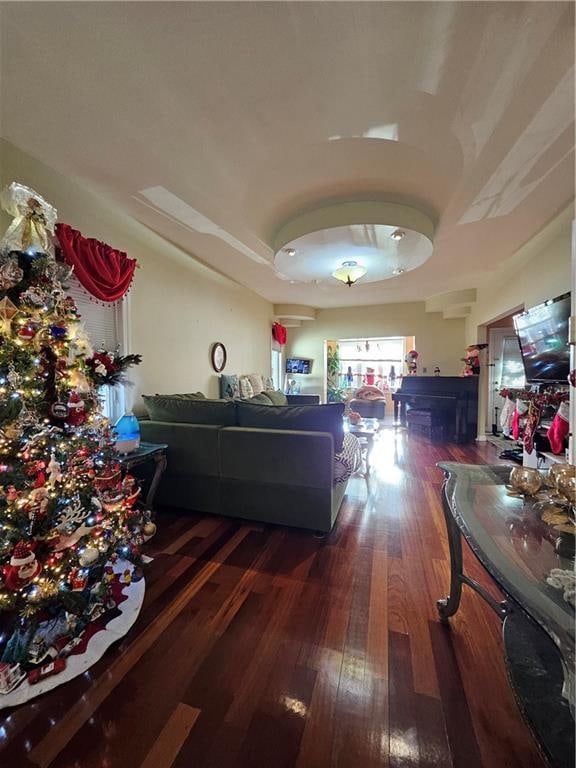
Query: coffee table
x=518 y=550
x=366 y=430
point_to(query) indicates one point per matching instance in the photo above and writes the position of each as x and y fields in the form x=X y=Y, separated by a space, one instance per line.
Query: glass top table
x=518 y=550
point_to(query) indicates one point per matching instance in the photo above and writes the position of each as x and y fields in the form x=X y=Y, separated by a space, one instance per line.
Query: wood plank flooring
x=264 y=647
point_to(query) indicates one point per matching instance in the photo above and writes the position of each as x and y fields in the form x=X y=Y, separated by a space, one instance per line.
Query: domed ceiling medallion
x=384 y=239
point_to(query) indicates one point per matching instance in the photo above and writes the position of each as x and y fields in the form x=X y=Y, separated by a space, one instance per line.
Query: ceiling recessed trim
x=380 y=239
x=349 y=213
x=294 y=312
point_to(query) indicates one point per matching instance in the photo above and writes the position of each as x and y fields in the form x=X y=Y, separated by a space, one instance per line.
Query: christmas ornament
x=10 y=274
x=23 y=568
x=58 y=411
x=27 y=332
x=77 y=579
x=149 y=530
x=88 y=556
x=54 y=471
x=58 y=331
x=34 y=221
x=7 y=311
x=76 y=410
x=34 y=296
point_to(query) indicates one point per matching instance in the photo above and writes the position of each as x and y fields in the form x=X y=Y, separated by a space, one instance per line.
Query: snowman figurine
x=23 y=567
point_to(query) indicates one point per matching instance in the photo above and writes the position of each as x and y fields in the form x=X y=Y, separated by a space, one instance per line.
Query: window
x=277 y=365
x=106 y=327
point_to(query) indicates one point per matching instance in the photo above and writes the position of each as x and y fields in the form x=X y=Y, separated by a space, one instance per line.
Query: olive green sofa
x=248 y=466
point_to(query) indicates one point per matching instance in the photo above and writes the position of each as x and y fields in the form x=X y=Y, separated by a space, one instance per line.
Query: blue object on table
x=127 y=431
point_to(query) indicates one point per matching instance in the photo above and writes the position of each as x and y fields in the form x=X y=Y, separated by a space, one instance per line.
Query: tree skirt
x=97 y=637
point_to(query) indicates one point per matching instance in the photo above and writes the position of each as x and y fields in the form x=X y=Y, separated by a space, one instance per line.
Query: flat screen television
x=543 y=337
x=298 y=365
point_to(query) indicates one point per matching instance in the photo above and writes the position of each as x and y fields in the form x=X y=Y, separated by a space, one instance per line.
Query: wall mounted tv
x=543 y=336
x=298 y=365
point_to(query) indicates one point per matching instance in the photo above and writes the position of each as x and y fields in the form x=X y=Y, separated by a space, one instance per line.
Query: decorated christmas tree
x=67 y=515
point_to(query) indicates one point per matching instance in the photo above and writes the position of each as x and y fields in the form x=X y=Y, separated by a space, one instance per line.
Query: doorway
x=505 y=370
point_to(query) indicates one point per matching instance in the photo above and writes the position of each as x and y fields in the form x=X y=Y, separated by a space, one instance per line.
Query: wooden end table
x=146 y=452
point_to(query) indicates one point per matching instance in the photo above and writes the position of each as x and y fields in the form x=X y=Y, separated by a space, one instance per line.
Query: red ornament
x=27 y=332
x=23 y=568
x=76 y=410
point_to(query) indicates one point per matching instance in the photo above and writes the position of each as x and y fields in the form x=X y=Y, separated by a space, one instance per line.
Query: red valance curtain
x=279 y=333
x=104 y=272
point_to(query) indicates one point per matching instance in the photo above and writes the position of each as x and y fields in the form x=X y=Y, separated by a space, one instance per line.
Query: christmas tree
x=66 y=512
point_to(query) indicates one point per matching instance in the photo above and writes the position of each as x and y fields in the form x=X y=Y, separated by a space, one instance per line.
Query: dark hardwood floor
x=265 y=647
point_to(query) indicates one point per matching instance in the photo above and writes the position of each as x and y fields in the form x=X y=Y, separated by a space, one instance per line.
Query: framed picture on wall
x=218 y=356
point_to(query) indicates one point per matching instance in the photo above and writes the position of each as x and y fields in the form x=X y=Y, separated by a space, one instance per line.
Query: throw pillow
x=307 y=418
x=190 y=411
x=229 y=387
x=268 y=383
x=256 y=380
x=246 y=390
x=277 y=397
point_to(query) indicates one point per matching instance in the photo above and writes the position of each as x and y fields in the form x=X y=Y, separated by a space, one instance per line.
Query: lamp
x=349 y=272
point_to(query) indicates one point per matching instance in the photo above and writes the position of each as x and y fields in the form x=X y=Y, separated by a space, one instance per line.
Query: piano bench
x=425 y=423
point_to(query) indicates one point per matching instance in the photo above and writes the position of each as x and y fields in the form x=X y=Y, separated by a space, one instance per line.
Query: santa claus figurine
x=23 y=567
x=76 y=410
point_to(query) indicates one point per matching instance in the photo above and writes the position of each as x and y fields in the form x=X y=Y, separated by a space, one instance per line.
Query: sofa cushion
x=277 y=397
x=246 y=389
x=229 y=387
x=261 y=398
x=308 y=418
x=190 y=411
x=257 y=382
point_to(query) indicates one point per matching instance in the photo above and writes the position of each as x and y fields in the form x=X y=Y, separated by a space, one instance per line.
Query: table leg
x=448 y=606
x=161 y=463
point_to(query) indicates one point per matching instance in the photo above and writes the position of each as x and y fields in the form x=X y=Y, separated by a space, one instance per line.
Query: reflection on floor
x=262 y=646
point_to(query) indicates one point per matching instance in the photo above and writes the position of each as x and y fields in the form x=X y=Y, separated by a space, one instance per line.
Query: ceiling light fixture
x=398 y=271
x=398 y=234
x=290 y=251
x=349 y=272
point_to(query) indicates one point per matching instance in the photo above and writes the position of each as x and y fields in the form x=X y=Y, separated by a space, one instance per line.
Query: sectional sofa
x=262 y=462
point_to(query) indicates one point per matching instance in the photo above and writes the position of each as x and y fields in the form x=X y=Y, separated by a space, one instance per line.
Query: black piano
x=452 y=399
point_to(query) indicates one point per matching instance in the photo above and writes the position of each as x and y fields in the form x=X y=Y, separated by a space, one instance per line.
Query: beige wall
x=540 y=270
x=178 y=306
x=438 y=341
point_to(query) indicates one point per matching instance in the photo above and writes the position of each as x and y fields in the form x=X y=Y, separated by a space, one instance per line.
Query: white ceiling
x=246 y=113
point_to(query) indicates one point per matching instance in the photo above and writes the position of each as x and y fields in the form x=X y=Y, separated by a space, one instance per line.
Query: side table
x=365 y=431
x=147 y=452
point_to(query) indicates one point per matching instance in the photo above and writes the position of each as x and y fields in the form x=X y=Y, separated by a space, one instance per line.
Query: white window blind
x=103 y=322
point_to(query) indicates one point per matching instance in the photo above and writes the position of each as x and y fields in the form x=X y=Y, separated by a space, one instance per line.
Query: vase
x=127 y=430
